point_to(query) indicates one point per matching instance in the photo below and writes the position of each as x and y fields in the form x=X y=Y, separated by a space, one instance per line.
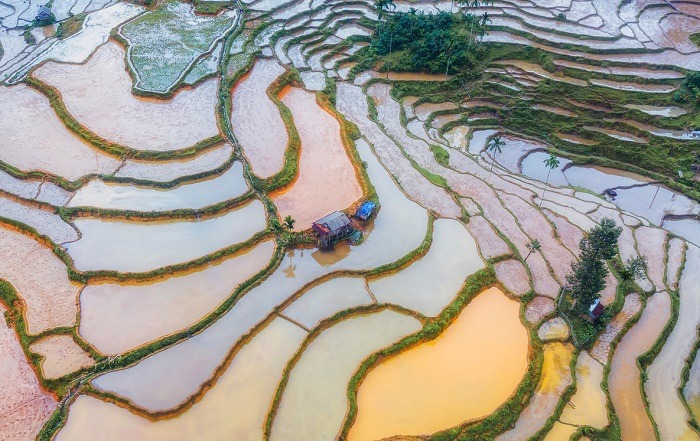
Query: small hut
x=332 y=228
x=595 y=310
x=43 y=15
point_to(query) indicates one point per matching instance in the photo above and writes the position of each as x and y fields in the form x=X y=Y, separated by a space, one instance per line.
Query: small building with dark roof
x=332 y=228
x=43 y=15
x=594 y=311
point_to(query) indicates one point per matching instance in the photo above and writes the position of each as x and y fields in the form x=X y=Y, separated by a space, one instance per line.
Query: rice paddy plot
x=166 y=41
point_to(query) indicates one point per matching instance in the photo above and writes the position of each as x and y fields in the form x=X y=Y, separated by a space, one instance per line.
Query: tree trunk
x=545 y=188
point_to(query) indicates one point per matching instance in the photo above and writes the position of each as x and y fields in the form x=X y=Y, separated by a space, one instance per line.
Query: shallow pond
x=615 y=134
x=599 y=178
x=429 y=284
x=692 y=388
x=653 y=202
x=556 y=376
x=316 y=413
x=33 y=138
x=328 y=298
x=25 y=405
x=478 y=141
x=670 y=111
x=457 y=137
x=228 y=185
x=164 y=171
x=533 y=166
x=664 y=374
x=589 y=402
x=62 y=356
x=111 y=245
x=466 y=373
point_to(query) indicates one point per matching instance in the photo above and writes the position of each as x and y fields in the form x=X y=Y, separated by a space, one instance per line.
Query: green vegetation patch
x=165 y=42
x=435 y=43
x=695 y=38
x=71 y=26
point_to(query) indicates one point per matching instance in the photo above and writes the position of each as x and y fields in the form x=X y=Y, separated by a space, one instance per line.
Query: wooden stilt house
x=332 y=228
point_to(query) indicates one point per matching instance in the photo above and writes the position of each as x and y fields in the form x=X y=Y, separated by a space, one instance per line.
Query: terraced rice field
x=161 y=166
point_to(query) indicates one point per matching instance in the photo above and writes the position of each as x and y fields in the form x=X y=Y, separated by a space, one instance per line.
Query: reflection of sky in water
x=687 y=228
x=600 y=178
x=636 y=200
x=643 y=202
x=533 y=167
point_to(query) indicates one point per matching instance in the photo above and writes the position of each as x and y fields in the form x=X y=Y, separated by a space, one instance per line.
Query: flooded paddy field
x=140 y=123
x=161 y=168
x=323 y=163
x=443 y=383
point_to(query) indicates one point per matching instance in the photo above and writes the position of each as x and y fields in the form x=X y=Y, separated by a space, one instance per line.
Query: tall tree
x=482 y=30
x=494 y=147
x=551 y=163
x=474 y=4
x=587 y=278
x=383 y=6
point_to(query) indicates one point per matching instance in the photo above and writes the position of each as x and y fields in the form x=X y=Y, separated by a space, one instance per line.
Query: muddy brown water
x=459 y=376
x=328 y=363
x=624 y=377
x=326 y=179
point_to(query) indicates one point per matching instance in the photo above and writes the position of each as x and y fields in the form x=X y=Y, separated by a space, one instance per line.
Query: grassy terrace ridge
x=660 y=159
x=72 y=213
x=485 y=428
x=137 y=354
x=108 y=147
x=662 y=155
x=111 y=275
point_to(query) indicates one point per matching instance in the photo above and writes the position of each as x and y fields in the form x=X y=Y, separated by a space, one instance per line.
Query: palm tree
x=383 y=6
x=533 y=247
x=289 y=222
x=482 y=30
x=494 y=147
x=475 y=4
x=551 y=163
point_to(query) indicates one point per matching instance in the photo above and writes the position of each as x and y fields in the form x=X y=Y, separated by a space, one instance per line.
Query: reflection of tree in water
x=289 y=271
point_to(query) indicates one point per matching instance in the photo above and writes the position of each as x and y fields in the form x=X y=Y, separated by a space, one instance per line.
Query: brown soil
x=63 y=356
x=41 y=280
x=24 y=406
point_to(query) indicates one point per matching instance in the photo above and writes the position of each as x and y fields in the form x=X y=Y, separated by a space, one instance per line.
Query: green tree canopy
x=587 y=278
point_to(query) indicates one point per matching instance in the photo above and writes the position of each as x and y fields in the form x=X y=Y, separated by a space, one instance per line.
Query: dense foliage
x=435 y=43
x=692 y=82
x=587 y=279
